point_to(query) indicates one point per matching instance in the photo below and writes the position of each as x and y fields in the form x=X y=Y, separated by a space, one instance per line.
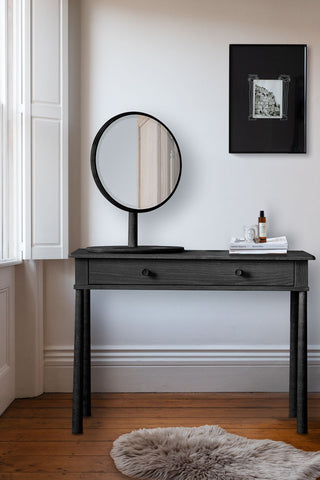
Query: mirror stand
x=133 y=229
x=133 y=240
x=133 y=246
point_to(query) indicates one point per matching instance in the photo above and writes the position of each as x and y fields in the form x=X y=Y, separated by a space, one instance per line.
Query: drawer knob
x=239 y=272
x=146 y=273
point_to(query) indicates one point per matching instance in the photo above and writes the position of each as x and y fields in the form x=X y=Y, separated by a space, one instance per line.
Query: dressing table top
x=292 y=255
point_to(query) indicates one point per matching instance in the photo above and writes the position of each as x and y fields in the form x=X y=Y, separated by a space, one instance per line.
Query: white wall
x=29 y=317
x=171 y=59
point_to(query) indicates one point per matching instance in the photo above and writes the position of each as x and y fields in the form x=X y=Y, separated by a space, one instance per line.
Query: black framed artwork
x=267 y=98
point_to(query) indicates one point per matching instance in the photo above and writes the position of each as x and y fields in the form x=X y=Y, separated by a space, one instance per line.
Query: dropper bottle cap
x=261 y=213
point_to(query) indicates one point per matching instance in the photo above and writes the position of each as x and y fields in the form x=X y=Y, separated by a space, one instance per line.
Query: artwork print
x=267 y=99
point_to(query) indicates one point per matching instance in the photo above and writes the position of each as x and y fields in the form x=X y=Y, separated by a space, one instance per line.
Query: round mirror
x=136 y=162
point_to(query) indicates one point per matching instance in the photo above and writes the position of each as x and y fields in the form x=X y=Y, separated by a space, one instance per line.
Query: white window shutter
x=45 y=139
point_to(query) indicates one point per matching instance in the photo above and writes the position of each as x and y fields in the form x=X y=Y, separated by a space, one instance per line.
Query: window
x=9 y=151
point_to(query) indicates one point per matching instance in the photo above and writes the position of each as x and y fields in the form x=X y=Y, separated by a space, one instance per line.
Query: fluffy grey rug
x=209 y=453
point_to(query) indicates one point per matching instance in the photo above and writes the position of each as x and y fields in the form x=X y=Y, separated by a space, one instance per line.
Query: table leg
x=87 y=356
x=77 y=411
x=294 y=299
x=302 y=375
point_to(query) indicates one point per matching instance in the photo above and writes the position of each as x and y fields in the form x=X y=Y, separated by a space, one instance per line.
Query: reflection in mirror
x=138 y=162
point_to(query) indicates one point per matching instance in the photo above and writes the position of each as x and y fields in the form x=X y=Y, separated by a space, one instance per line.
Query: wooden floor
x=36 y=441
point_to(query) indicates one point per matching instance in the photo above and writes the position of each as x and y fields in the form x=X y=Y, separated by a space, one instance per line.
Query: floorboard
x=36 y=441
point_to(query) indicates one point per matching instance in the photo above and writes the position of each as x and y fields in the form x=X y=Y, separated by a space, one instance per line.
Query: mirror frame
x=94 y=164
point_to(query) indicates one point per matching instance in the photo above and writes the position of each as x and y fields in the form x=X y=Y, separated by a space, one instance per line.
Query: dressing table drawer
x=191 y=273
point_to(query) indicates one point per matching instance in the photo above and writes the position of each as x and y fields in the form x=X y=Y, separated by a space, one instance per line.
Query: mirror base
x=138 y=249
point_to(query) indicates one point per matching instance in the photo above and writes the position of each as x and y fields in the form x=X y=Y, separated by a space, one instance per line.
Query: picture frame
x=267 y=98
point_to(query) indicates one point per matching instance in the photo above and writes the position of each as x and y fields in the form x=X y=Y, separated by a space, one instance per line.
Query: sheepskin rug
x=209 y=453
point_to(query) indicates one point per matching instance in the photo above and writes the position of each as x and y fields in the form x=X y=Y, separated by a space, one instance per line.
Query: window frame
x=24 y=235
x=10 y=133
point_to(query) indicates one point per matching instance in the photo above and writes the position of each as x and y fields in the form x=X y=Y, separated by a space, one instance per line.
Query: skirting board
x=184 y=369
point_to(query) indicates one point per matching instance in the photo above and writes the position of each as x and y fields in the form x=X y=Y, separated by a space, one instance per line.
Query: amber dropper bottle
x=262 y=227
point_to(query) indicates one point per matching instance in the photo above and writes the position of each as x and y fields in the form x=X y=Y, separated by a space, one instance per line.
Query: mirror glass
x=136 y=161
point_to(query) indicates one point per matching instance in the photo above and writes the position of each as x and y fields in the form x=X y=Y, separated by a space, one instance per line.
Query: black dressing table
x=192 y=270
x=136 y=165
